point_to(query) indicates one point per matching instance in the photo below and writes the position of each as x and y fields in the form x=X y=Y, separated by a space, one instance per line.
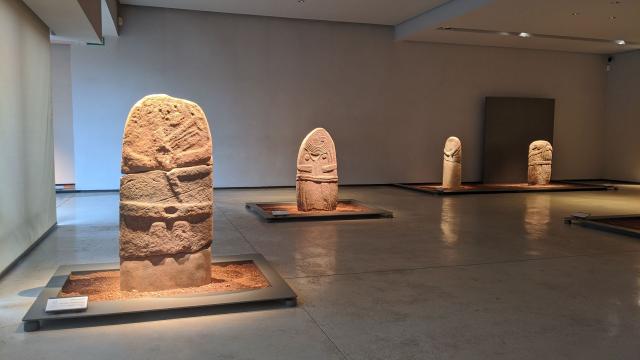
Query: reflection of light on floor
x=449 y=221
x=536 y=216
x=315 y=250
x=89 y=209
x=638 y=289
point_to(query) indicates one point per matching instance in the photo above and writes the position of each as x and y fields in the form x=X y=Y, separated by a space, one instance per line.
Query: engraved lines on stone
x=175 y=145
x=317 y=148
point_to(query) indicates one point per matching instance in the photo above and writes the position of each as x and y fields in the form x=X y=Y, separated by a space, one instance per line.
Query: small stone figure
x=317 y=172
x=540 y=154
x=166 y=196
x=452 y=163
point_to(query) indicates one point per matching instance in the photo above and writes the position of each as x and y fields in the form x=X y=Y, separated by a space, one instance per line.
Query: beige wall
x=62 y=114
x=265 y=82
x=623 y=118
x=27 y=206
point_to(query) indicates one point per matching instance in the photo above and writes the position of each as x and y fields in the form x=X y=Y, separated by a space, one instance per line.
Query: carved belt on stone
x=304 y=173
x=540 y=162
x=327 y=179
x=165 y=211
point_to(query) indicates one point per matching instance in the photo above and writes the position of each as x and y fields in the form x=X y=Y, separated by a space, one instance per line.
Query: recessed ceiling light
x=620 y=42
x=524 y=35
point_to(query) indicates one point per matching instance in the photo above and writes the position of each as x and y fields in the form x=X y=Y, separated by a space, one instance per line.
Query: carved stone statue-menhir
x=317 y=173
x=166 y=196
x=540 y=155
x=452 y=163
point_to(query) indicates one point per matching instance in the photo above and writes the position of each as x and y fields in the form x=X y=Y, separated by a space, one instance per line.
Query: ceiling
x=69 y=19
x=589 y=26
x=381 y=12
x=570 y=25
x=77 y=21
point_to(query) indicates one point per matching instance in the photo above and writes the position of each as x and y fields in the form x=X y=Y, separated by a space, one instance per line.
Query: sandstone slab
x=540 y=158
x=452 y=164
x=166 y=196
x=317 y=172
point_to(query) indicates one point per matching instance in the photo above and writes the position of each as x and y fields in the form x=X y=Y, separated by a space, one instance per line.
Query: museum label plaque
x=76 y=303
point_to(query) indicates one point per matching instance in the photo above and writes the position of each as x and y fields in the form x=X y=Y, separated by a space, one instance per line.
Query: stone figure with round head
x=540 y=156
x=166 y=196
x=317 y=172
x=452 y=163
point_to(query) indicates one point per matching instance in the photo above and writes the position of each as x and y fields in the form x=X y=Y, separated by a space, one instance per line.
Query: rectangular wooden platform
x=287 y=211
x=479 y=188
x=278 y=290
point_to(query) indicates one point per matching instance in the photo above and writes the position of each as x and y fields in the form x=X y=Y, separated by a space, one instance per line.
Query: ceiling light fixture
x=537 y=36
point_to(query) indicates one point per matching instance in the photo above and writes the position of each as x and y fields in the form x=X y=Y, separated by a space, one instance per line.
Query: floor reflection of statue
x=537 y=216
x=317 y=251
x=450 y=221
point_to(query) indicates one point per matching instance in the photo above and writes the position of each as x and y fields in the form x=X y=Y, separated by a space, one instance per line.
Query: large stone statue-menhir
x=540 y=155
x=452 y=163
x=166 y=197
x=317 y=172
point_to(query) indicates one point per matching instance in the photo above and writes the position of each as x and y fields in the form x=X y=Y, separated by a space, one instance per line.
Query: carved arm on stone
x=452 y=155
x=133 y=162
x=188 y=175
x=329 y=168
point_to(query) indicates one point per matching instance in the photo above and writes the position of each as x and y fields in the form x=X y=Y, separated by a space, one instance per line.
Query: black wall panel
x=510 y=125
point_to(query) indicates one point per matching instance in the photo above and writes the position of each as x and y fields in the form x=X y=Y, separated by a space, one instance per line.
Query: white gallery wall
x=265 y=82
x=623 y=118
x=62 y=114
x=27 y=209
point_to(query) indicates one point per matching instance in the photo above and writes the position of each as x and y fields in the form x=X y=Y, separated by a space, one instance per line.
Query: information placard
x=280 y=213
x=76 y=303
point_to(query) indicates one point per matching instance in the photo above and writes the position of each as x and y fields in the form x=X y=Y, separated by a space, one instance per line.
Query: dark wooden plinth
x=279 y=290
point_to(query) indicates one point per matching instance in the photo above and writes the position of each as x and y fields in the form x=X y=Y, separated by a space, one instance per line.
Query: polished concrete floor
x=464 y=277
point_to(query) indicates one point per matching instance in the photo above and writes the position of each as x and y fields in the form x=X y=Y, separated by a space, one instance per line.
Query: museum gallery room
x=319 y=179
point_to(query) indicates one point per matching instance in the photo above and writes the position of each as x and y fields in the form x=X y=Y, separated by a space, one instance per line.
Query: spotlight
x=620 y=42
x=524 y=35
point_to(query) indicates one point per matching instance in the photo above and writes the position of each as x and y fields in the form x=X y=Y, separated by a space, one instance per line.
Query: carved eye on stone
x=307 y=157
x=324 y=156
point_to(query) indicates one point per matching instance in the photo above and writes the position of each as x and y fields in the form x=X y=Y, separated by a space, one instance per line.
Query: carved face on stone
x=453 y=149
x=540 y=151
x=317 y=157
